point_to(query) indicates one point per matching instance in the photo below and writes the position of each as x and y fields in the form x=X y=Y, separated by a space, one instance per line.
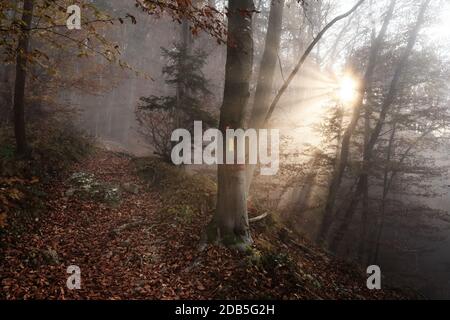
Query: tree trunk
x=230 y=222
x=19 y=89
x=268 y=66
x=266 y=74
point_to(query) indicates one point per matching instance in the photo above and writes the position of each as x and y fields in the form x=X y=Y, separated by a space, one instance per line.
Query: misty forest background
x=359 y=90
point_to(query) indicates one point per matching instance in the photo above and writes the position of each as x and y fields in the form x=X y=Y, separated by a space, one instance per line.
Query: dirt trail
x=116 y=248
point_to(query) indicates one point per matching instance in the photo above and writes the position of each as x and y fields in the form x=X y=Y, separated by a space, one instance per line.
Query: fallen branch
x=258 y=218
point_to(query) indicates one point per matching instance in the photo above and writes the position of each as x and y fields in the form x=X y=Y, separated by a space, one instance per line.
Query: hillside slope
x=133 y=226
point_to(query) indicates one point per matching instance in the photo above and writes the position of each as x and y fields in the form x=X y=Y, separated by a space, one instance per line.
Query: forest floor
x=133 y=250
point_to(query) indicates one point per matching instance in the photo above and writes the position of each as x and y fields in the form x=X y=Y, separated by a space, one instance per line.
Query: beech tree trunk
x=19 y=87
x=268 y=65
x=267 y=69
x=230 y=224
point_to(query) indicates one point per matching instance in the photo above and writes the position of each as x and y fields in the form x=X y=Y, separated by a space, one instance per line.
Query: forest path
x=123 y=251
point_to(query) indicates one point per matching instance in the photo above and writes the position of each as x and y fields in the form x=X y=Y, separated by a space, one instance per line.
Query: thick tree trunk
x=19 y=89
x=230 y=225
x=345 y=149
x=266 y=74
x=230 y=222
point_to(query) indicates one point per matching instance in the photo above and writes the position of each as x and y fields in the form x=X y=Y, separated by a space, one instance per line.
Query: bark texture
x=266 y=74
x=230 y=224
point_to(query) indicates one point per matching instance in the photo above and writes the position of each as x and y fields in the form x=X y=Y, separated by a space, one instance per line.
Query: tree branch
x=305 y=56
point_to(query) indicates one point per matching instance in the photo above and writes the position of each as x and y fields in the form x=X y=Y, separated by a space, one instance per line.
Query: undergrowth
x=54 y=147
x=183 y=195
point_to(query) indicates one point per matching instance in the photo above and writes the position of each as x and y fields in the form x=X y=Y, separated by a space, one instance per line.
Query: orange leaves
x=200 y=17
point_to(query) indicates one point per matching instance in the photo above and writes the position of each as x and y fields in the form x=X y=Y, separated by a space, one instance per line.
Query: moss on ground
x=54 y=147
x=183 y=195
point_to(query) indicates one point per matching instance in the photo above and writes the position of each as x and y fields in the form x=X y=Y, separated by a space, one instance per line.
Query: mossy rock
x=86 y=186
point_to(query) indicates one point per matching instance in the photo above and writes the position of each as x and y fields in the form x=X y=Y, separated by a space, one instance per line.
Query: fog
x=415 y=245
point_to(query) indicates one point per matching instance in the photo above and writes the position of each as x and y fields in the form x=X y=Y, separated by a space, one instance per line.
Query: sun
x=347 y=90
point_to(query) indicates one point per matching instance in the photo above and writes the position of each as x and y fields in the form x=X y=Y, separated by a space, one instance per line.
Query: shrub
x=54 y=147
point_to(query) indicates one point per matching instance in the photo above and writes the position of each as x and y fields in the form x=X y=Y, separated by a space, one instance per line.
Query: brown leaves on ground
x=136 y=251
x=13 y=191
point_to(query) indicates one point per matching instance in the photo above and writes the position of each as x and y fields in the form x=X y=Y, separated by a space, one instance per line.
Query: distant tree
x=19 y=89
x=30 y=41
x=160 y=115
